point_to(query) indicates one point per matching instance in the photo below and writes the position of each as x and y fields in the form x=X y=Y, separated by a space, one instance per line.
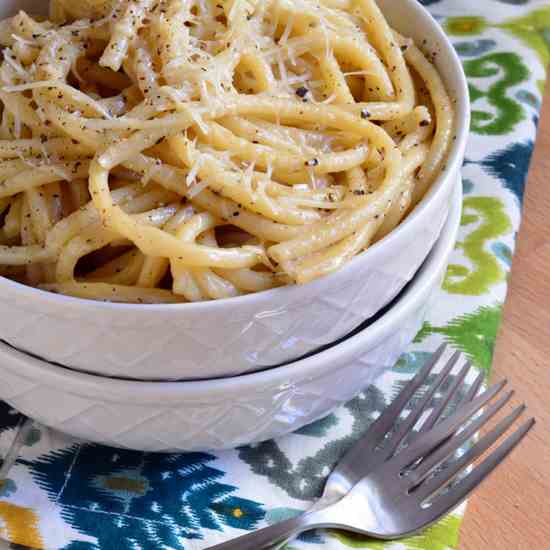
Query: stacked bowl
x=226 y=373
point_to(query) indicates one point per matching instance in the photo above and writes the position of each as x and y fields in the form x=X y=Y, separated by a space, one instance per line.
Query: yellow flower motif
x=238 y=513
x=463 y=26
x=20 y=526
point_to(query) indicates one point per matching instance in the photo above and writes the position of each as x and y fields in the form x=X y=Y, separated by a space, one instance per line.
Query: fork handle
x=269 y=536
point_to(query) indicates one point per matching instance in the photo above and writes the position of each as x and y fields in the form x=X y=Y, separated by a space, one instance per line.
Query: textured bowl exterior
x=225 y=413
x=244 y=334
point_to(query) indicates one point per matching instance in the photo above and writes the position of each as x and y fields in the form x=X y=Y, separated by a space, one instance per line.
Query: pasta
x=165 y=151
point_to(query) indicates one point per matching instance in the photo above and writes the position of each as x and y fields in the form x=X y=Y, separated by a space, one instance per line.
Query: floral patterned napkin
x=61 y=494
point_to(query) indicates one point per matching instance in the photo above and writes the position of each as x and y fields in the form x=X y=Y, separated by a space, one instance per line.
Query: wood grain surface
x=512 y=510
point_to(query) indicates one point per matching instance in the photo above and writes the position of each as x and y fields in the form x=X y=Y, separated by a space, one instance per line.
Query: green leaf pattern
x=442 y=536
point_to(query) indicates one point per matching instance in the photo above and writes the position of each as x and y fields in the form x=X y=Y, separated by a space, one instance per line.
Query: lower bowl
x=223 y=413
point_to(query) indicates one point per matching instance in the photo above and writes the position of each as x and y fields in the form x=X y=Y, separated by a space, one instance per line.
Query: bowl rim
x=382 y=247
x=169 y=393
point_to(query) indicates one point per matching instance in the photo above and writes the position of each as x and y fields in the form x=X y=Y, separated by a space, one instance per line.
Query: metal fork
x=392 y=499
x=361 y=459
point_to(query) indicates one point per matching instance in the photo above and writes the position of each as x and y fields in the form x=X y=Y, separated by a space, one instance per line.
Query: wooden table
x=511 y=511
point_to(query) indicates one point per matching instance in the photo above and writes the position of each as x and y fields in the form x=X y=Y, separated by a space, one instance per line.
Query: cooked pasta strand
x=182 y=150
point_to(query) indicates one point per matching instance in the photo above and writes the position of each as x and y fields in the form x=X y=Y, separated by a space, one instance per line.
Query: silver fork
x=361 y=459
x=392 y=499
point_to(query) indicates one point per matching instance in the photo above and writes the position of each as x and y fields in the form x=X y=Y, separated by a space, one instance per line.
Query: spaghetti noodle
x=156 y=151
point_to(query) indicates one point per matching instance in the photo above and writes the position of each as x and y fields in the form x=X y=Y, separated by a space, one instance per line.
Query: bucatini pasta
x=160 y=151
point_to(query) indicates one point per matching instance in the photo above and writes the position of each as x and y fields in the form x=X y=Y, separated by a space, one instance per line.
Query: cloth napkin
x=64 y=494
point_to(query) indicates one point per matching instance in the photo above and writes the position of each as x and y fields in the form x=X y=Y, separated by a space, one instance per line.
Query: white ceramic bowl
x=239 y=335
x=225 y=413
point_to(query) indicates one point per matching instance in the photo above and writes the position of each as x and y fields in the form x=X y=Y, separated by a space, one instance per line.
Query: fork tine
x=427 y=442
x=445 y=503
x=383 y=424
x=427 y=466
x=408 y=424
x=442 y=405
x=474 y=388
